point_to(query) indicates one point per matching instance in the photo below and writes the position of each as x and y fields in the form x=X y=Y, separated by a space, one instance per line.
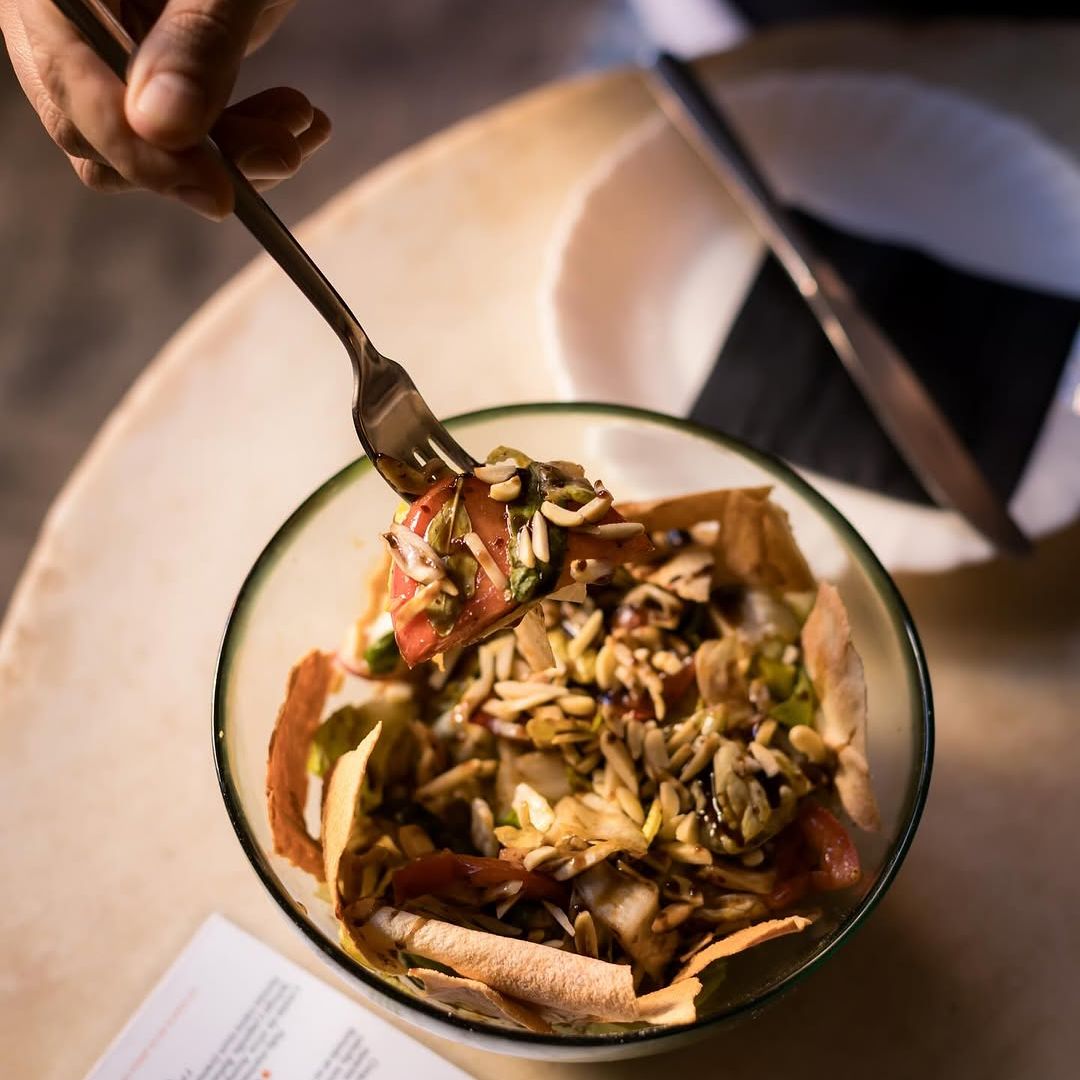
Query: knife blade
x=904 y=408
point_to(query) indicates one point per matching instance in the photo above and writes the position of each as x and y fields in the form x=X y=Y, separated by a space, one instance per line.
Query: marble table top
x=115 y=843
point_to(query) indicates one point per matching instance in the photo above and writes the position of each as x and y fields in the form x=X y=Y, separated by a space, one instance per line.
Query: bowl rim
x=859 y=550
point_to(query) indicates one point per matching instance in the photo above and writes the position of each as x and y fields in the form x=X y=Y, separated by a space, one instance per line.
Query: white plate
x=653 y=260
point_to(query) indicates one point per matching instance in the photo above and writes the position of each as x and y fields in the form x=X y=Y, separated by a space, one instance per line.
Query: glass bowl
x=306 y=588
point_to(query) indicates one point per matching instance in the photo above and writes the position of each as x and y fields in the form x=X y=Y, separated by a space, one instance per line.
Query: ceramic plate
x=653 y=260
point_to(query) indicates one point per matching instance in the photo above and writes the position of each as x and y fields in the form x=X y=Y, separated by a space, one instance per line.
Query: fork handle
x=114 y=45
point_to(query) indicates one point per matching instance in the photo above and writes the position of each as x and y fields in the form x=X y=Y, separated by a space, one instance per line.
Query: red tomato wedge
x=417 y=639
x=432 y=874
x=814 y=852
x=836 y=855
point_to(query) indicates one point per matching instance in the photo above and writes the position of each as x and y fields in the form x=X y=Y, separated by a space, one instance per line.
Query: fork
x=397 y=429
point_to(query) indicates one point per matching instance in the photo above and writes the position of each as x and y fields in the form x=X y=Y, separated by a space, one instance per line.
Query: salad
x=574 y=759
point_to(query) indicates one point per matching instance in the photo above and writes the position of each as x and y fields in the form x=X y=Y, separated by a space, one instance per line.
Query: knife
x=902 y=405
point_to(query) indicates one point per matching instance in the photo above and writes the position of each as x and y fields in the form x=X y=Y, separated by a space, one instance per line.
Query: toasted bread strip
x=836 y=671
x=753 y=544
x=286 y=767
x=740 y=941
x=478 y=998
x=570 y=984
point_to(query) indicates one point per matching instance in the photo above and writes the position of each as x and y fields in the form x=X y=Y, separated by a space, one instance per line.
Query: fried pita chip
x=754 y=545
x=478 y=998
x=364 y=943
x=627 y=907
x=740 y=941
x=340 y=808
x=286 y=768
x=672 y=1005
x=688 y=574
x=376 y=599
x=855 y=788
x=377 y=592
x=568 y=983
x=716 y=671
x=574 y=593
x=532 y=640
x=836 y=671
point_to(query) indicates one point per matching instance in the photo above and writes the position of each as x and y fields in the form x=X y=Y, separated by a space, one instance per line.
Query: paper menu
x=230 y=1008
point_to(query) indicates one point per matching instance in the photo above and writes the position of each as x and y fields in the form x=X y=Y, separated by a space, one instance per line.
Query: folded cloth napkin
x=991 y=354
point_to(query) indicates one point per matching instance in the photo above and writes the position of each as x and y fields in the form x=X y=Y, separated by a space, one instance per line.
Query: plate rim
x=957 y=543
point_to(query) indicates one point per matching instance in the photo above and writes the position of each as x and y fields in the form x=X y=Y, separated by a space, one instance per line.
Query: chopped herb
x=382 y=655
x=571 y=493
x=461 y=567
x=343 y=731
x=779 y=677
x=509 y=818
x=438 y=533
x=508 y=453
x=337 y=735
x=528 y=582
x=799 y=707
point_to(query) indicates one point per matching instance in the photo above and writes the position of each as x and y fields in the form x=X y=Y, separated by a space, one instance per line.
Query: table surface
x=114 y=840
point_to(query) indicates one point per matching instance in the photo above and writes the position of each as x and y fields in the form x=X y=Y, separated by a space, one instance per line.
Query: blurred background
x=91 y=286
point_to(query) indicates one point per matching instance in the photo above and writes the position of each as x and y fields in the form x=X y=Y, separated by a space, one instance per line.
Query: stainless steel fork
x=398 y=431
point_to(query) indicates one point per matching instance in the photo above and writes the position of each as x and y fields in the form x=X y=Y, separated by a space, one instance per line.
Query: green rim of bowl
x=858 y=549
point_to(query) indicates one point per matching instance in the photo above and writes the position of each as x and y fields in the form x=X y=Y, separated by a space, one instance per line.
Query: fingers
x=82 y=106
x=269 y=19
x=92 y=99
x=271 y=134
x=98 y=176
x=184 y=71
x=317 y=133
x=281 y=103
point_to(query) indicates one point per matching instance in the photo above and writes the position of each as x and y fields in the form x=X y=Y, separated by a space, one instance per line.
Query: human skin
x=149 y=133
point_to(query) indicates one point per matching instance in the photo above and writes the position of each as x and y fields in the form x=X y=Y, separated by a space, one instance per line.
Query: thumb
x=184 y=70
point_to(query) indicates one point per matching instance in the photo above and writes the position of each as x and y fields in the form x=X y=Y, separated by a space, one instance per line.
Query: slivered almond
x=540 y=544
x=512 y=689
x=517 y=705
x=525 y=553
x=588 y=571
x=487 y=561
x=596 y=508
x=418 y=603
x=594 y=626
x=616 y=530
x=539 y=856
x=497 y=473
x=559 y=515
x=559 y=916
x=507 y=490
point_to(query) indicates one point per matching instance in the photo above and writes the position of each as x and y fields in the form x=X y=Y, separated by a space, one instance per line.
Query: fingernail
x=265 y=165
x=201 y=200
x=172 y=102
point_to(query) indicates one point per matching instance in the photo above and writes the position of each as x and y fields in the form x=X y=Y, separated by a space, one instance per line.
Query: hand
x=148 y=134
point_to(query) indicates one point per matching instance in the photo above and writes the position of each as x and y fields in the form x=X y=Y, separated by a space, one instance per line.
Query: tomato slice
x=788 y=893
x=814 y=852
x=837 y=857
x=417 y=639
x=676 y=686
x=437 y=872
